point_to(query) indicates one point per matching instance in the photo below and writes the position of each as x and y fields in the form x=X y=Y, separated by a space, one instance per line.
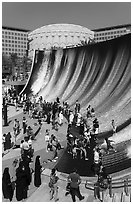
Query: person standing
x=22 y=182
x=15 y=129
x=71 y=117
x=8 y=140
x=60 y=118
x=37 y=174
x=75 y=180
x=7 y=185
x=53 y=185
x=24 y=125
x=47 y=139
x=4 y=141
x=113 y=126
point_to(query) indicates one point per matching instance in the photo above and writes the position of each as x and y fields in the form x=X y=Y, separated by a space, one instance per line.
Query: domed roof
x=60 y=27
x=59 y=36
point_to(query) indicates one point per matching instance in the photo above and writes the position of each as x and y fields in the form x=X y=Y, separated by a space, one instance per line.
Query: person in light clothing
x=61 y=118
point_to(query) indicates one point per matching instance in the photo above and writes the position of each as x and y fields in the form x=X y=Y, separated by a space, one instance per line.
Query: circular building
x=59 y=36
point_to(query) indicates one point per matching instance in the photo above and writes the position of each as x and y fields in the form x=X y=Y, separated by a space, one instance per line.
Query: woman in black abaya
x=6 y=185
x=22 y=182
x=37 y=174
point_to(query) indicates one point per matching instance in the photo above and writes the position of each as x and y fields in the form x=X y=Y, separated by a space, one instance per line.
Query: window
x=12 y=45
x=2 y=44
x=12 y=37
x=21 y=34
x=15 y=37
x=12 y=41
x=18 y=38
x=21 y=38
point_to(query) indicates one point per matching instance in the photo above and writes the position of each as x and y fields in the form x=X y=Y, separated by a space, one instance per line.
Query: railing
x=125 y=184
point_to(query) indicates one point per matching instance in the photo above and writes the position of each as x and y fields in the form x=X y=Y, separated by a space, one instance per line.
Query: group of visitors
x=20 y=182
x=53 y=144
x=77 y=145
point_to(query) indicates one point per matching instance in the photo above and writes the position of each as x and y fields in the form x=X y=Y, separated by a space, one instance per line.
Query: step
x=116 y=197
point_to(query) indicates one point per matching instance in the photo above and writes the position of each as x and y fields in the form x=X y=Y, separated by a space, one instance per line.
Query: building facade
x=23 y=42
x=109 y=33
x=14 y=40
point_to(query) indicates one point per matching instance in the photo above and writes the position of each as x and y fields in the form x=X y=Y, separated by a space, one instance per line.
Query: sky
x=93 y=15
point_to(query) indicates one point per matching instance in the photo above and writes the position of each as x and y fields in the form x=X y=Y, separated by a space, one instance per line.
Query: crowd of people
x=77 y=145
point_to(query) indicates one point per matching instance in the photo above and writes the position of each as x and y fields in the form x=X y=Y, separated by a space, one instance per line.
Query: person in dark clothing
x=37 y=174
x=24 y=125
x=75 y=180
x=22 y=182
x=48 y=118
x=109 y=145
x=7 y=185
x=8 y=140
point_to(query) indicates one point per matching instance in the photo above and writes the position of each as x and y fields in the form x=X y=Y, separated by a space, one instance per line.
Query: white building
x=108 y=33
x=14 y=40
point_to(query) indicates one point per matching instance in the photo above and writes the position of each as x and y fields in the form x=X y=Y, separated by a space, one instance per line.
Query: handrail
x=125 y=184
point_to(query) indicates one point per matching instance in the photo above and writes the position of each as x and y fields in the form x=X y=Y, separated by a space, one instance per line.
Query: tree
x=14 y=59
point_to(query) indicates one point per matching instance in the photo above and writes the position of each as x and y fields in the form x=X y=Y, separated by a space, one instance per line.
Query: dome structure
x=59 y=36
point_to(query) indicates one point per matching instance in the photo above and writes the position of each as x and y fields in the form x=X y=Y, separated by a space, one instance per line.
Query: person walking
x=37 y=174
x=53 y=185
x=7 y=185
x=75 y=180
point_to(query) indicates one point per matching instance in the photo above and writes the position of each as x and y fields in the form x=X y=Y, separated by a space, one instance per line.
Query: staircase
x=42 y=193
